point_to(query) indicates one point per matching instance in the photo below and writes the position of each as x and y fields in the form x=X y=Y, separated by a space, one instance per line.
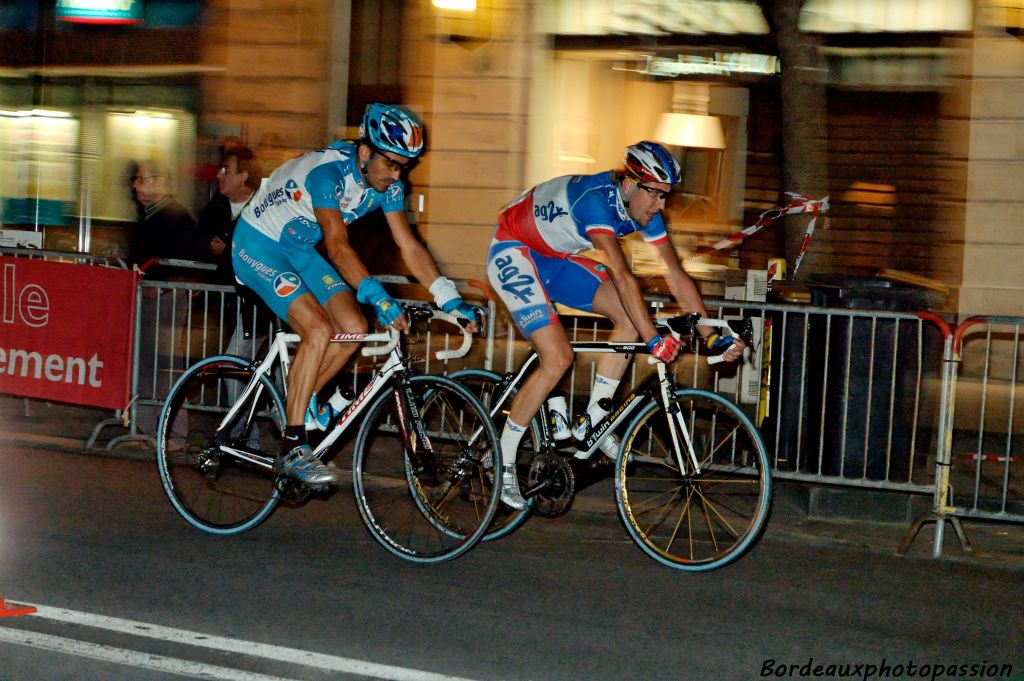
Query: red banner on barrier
x=66 y=331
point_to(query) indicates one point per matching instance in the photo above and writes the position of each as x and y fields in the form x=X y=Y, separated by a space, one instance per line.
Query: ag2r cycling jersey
x=533 y=258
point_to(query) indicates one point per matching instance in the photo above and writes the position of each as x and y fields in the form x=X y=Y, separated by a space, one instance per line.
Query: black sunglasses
x=657 y=193
x=391 y=163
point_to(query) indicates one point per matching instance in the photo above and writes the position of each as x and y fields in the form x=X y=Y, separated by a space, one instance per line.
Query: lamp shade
x=690 y=130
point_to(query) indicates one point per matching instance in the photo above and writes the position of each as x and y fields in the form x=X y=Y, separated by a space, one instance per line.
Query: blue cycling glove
x=460 y=308
x=718 y=344
x=446 y=297
x=371 y=292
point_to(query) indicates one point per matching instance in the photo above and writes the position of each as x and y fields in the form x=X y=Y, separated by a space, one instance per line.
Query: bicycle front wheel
x=220 y=481
x=687 y=520
x=427 y=496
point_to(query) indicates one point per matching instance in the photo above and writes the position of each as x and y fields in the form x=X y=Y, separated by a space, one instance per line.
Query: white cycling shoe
x=510 y=494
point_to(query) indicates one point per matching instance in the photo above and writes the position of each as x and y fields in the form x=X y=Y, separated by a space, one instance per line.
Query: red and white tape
x=799 y=204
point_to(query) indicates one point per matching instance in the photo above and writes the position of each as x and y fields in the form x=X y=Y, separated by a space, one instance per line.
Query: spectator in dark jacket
x=165 y=229
x=238 y=178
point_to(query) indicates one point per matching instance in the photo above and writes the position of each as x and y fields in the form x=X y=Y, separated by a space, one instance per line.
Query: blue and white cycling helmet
x=392 y=128
x=651 y=162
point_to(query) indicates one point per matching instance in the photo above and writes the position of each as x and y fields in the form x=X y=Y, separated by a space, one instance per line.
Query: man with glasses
x=534 y=261
x=165 y=228
x=238 y=178
x=315 y=198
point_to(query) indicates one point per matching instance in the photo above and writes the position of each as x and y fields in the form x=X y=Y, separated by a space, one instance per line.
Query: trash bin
x=824 y=371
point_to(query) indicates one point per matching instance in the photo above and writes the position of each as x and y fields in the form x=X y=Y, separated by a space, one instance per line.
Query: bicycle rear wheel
x=486 y=387
x=691 y=521
x=426 y=497
x=220 y=482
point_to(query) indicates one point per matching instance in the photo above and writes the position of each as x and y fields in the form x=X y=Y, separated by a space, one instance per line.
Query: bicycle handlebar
x=467 y=337
x=724 y=329
x=421 y=312
x=687 y=325
x=374 y=351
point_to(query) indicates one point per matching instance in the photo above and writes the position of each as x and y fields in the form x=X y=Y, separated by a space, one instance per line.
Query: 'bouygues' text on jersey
x=282 y=208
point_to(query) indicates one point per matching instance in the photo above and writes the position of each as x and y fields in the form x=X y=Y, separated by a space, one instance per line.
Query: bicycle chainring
x=559 y=484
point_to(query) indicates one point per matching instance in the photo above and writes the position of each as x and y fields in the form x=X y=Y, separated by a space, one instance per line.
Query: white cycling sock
x=604 y=387
x=511 y=436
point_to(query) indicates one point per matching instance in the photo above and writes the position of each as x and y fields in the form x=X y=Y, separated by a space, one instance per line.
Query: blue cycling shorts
x=279 y=274
x=528 y=282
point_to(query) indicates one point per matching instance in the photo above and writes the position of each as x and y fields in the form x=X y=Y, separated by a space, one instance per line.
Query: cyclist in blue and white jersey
x=534 y=260
x=314 y=198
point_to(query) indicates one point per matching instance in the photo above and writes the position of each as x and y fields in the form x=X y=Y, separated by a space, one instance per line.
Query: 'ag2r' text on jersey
x=557 y=217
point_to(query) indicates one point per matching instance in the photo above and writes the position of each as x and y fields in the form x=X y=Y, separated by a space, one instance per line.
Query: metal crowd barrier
x=67 y=257
x=979 y=470
x=890 y=401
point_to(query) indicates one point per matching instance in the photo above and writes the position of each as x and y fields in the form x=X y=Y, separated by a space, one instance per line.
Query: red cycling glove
x=664 y=348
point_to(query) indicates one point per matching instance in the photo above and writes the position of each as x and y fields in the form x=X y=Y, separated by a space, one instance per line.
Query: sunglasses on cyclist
x=391 y=164
x=656 y=193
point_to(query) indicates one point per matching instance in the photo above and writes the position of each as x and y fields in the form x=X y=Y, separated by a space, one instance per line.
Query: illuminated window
x=871 y=195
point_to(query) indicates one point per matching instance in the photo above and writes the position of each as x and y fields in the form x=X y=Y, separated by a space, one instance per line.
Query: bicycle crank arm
x=536 y=489
x=249 y=455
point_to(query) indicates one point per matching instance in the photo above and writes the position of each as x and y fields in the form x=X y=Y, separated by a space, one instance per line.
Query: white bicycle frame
x=677 y=424
x=279 y=353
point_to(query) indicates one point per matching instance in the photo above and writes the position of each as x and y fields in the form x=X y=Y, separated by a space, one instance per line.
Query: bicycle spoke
x=487 y=388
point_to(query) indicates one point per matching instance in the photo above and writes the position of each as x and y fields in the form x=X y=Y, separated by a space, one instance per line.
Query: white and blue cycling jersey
x=282 y=208
x=273 y=242
x=534 y=255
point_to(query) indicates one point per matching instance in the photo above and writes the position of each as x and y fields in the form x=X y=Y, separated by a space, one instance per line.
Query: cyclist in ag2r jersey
x=534 y=261
x=314 y=198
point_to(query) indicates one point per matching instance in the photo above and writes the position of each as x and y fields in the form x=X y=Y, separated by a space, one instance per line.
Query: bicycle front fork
x=677 y=426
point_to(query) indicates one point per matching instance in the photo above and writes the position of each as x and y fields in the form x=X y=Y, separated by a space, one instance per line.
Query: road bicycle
x=692 y=475
x=424 y=455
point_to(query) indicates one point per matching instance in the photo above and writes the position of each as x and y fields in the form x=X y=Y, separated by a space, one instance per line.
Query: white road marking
x=131 y=658
x=249 y=648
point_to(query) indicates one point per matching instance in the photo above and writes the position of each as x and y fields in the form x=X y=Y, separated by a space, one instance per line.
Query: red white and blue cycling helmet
x=392 y=128
x=651 y=162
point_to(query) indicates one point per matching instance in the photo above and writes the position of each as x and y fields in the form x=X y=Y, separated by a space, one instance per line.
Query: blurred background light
x=844 y=16
x=465 y=5
x=690 y=130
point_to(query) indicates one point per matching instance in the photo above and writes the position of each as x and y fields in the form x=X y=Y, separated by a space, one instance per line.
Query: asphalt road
x=128 y=591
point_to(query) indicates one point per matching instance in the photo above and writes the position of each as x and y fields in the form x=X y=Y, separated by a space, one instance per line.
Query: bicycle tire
x=435 y=505
x=695 y=522
x=483 y=384
x=217 y=492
